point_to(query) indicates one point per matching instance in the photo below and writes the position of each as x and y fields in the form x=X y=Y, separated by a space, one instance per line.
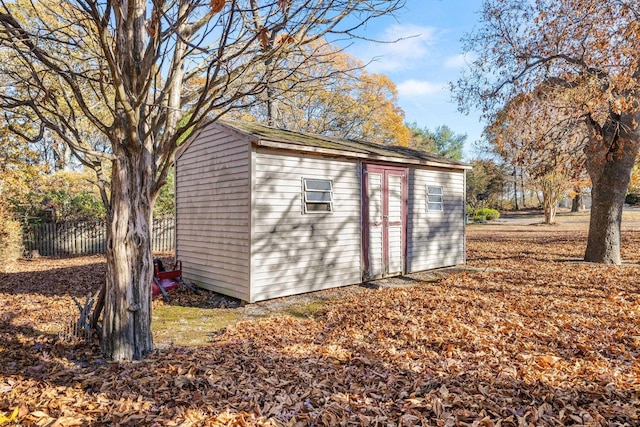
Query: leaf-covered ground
x=527 y=336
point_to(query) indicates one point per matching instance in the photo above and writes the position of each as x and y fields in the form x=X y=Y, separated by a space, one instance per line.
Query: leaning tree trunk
x=610 y=162
x=126 y=325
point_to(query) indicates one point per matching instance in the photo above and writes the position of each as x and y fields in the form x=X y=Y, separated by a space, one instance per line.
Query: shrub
x=632 y=199
x=479 y=217
x=484 y=214
x=10 y=238
x=62 y=196
x=492 y=214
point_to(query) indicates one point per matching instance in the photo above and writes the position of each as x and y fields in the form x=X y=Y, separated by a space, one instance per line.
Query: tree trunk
x=609 y=165
x=523 y=205
x=97 y=309
x=273 y=119
x=550 y=211
x=576 y=203
x=515 y=187
x=126 y=326
x=608 y=192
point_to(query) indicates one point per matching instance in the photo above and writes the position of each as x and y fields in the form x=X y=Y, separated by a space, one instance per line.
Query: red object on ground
x=166 y=280
x=167 y=284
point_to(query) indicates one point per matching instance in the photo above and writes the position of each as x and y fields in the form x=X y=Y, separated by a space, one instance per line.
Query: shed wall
x=293 y=252
x=212 y=211
x=435 y=238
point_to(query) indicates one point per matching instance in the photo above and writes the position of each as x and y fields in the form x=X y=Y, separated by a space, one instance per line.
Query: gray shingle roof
x=267 y=136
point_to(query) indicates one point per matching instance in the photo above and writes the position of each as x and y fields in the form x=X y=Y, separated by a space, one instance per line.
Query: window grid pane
x=317 y=185
x=434 y=190
x=318 y=207
x=313 y=196
x=435 y=198
x=318 y=195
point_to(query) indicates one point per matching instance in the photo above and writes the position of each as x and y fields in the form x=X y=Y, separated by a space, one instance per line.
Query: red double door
x=384 y=220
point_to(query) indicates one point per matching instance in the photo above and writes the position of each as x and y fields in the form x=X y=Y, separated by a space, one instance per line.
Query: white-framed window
x=317 y=195
x=434 y=198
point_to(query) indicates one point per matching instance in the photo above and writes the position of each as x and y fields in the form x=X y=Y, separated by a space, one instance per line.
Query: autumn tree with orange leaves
x=533 y=135
x=586 y=55
x=334 y=95
x=143 y=75
x=634 y=185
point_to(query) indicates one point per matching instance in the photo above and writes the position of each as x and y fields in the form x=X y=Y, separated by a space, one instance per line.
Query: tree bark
x=608 y=192
x=515 y=187
x=523 y=205
x=272 y=109
x=576 y=203
x=126 y=326
x=550 y=211
x=609 y=165
x=97 y=309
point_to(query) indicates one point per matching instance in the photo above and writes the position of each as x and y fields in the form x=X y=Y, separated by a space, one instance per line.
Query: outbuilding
x=263 y=213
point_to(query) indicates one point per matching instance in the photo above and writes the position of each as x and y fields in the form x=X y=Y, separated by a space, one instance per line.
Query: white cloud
x=411 y=44
x=412 y=88
x=459 y=61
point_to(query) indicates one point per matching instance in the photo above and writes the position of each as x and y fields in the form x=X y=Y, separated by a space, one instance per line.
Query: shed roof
x=266 y=136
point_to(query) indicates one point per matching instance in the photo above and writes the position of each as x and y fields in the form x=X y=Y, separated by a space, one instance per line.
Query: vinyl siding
x=435 y=239
x=292 y=252
x=212 y=212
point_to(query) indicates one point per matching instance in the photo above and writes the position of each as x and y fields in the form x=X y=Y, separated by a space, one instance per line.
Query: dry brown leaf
x=217 y=6
x=264 y=36
x=284 y=5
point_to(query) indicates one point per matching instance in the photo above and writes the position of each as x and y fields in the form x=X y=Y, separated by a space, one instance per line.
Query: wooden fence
x=62 y=239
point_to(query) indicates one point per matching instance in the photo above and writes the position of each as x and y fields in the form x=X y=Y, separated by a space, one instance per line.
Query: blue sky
x=423 y=64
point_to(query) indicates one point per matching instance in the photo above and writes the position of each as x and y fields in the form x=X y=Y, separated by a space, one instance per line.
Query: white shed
x=263 y=213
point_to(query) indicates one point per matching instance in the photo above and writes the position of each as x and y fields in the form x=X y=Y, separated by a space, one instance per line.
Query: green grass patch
x=189 y=326
x=304 y=310
x=193 y=326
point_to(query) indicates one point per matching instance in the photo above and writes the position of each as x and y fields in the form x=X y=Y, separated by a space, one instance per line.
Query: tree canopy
x=485 y=183
x=334 y=95
x=549 y=153
x=584 y=56
x=442 y=140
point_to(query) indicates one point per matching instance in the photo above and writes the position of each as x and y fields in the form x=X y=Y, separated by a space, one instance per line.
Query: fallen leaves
x=4 y=419
x=532 y=337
